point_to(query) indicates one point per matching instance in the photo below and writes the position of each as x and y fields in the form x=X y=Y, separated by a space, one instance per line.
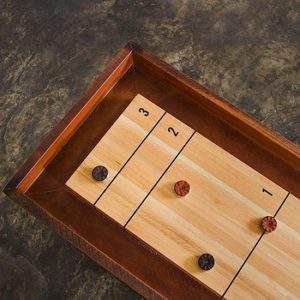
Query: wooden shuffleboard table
x=169 y=187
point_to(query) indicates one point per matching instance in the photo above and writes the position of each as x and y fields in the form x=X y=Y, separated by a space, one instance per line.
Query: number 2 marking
x=145 y=112
x=265 y=191
x=171 y=129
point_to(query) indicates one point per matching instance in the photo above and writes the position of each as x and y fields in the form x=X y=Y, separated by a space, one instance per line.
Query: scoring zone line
x=137 y=148
x=128 y=160
x=149 y=156
x=158 y=180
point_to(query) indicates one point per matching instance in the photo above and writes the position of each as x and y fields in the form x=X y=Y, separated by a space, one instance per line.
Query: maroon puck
x=269 y=224
x=99 y=173
x=181 y=188
x=206 y=261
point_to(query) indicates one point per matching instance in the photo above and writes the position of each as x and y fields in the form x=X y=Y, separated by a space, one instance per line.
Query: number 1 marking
x=265 y=191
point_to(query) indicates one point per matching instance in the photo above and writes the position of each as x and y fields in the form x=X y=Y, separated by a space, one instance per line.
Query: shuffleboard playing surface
x=146 y=152
x=115 y=148
x=273 y=269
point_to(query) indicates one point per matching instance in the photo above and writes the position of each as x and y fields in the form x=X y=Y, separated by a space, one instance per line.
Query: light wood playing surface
x=273 y=269
x=115 y=147
x=219 y=216
x=143 y=170
x=146 y=152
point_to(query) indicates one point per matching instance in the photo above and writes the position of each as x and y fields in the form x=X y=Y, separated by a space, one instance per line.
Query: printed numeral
x=265 y=191
x=145 y=112
x=171 y=129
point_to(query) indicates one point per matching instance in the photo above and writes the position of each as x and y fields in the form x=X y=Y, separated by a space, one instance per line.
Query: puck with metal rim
x=206 y=261
x=269 y=224
x=99 y=173
x=181 y=188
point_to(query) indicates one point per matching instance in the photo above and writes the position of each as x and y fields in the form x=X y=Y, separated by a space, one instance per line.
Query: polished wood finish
x=115 y=148
x=40 y=187
x=146 y=166
x=273 y=269
x=221 y=215
x=78 y=114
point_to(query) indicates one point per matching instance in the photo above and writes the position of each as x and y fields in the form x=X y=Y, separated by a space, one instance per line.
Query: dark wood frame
x=39 y=184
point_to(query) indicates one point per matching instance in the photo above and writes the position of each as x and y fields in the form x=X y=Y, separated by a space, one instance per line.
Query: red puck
x=181 y=188
x=269 y=224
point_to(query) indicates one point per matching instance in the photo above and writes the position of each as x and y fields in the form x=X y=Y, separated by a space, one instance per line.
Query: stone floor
x=246 y=51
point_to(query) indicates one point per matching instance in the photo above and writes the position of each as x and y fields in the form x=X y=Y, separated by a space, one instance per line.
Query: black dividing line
x=160 y=178
x=130 y=158
x=241 y=267
x=281 y=204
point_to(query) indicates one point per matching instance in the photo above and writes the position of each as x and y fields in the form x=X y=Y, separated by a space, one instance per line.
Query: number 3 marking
x=145 y=112
x=171 y=129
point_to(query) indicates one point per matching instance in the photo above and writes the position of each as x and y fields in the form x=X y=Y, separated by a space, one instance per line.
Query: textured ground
x=246 y=51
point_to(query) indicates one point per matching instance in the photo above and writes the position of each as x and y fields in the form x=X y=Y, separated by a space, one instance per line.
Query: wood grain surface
x=40 y=186
x=273 y=269
x=114 y=149
x=138 y=177
x=221 y=215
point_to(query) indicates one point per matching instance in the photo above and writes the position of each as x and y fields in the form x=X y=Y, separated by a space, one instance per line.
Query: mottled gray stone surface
x=246 y=51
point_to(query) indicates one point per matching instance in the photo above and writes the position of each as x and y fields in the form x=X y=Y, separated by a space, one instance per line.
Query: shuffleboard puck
x=99 y=173
x=269 y=224
x=181 y=188
x=206 y=261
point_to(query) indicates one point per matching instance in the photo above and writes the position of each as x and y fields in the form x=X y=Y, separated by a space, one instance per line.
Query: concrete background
x=245 y=51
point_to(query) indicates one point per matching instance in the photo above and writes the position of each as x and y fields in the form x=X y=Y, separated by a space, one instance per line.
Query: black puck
x=99 y=173
x=206 y=261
